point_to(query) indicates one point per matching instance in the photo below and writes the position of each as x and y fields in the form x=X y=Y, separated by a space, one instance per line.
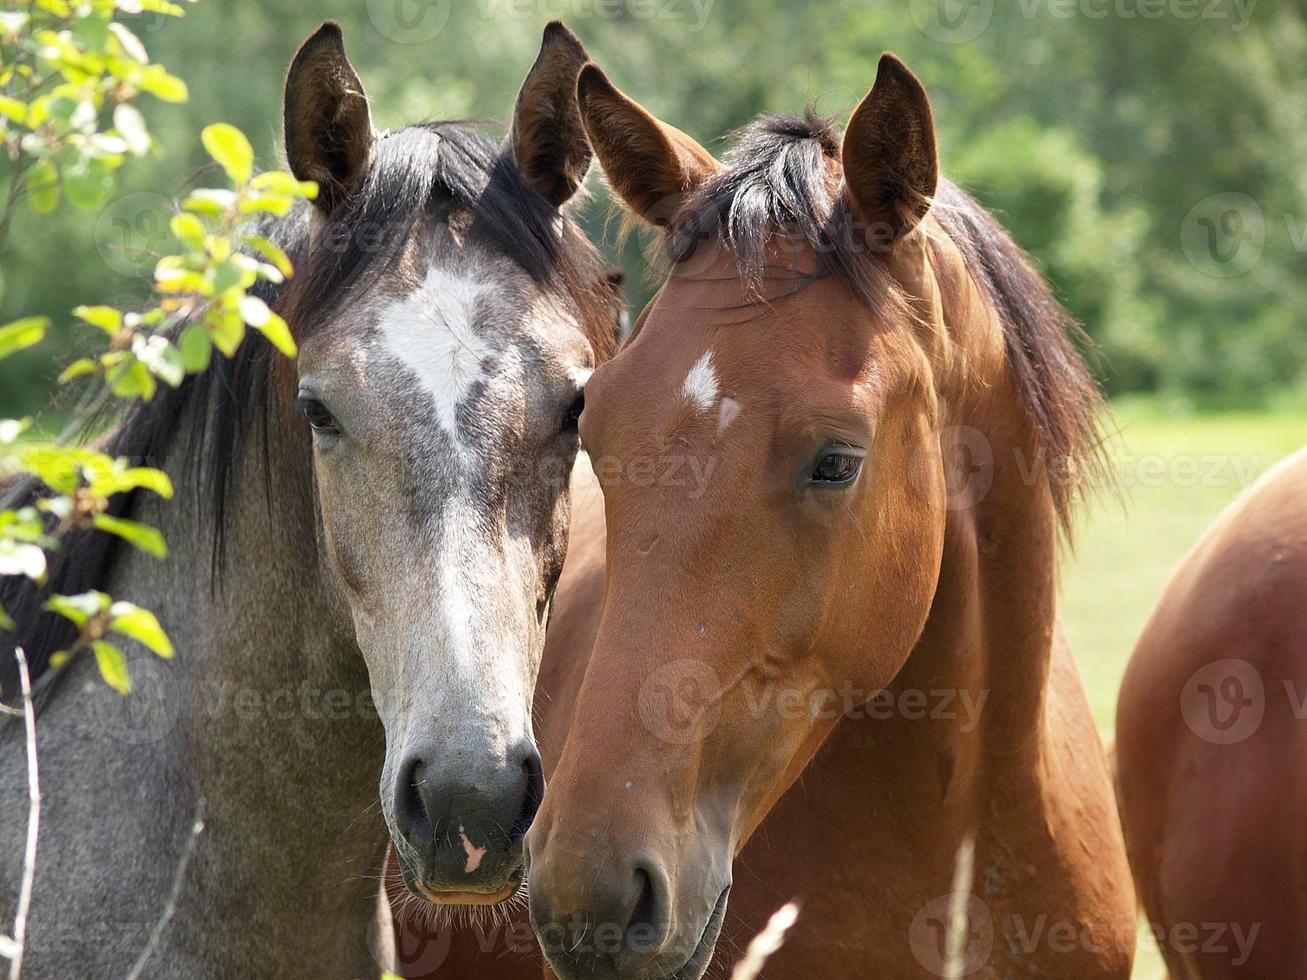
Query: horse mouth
x=510 y=889
x=697 y=964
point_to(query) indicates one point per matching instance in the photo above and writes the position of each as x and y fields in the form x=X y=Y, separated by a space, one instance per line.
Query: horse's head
x=769 y=449
x=448 y=314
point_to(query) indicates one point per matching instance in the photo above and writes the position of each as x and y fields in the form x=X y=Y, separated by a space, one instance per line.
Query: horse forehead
x=450 y=331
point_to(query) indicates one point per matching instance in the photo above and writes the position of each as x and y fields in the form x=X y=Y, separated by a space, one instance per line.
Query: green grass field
x=1178 y=469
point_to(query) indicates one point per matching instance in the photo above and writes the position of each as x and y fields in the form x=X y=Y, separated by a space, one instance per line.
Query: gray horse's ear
x=891 y=167
x=547 y=140
x=329 y=134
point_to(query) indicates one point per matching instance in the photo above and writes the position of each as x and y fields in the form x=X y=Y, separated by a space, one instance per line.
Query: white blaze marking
x=430 y=331
x=700 y=385
x=474 y=853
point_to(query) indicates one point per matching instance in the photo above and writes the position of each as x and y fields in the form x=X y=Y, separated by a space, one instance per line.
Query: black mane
x=783 y=177
x=417 y=172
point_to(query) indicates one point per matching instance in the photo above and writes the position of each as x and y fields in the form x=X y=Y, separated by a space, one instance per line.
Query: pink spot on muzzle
x=474 y=853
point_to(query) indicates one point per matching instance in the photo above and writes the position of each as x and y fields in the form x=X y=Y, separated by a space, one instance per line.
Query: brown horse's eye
x=836 y=469
x=319 y=418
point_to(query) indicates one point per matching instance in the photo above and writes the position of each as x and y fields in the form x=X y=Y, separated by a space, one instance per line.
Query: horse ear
x=547 y=140
x=328 y=125
x=652 y=166
x=891 y=167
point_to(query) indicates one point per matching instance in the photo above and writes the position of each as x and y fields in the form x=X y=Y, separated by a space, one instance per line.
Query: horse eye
x=573 y=416
x=319 y=418
x=837 y=468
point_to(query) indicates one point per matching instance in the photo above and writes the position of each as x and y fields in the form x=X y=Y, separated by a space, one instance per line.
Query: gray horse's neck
x=262 y=724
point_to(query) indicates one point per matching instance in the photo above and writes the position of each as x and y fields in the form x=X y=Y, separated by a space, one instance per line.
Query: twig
x=33 y=821
x=959 y=922
x=179 y=876
x=766 y=943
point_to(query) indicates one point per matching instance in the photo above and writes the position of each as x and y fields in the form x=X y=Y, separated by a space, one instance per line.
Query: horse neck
x=967 y=709
x=275 y=729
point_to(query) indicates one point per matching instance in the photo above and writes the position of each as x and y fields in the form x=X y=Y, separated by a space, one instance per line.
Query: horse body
x=288 y=852
x=365 y=549
x=883 y=431
x=1211 y=744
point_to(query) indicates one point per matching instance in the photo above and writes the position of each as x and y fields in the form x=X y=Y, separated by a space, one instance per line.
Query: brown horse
x=1212 y=740
x=834 y=459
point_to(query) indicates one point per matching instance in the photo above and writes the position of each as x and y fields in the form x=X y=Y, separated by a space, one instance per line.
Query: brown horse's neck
x=967 y=710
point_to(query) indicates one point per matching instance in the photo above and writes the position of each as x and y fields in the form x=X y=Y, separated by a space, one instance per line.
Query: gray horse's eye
x=573 y=416
x=319 y=417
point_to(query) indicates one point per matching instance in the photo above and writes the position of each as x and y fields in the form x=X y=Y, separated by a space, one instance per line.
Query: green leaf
x=196 y=348
x=43 y=187
x=12 y=22
x=78 y=608
x=144 y=478
x=89 y=183
x=142 y=536
x=140 y=625
x=113 y=666
x=21 y=334
x=280 y=182
x=188 y=229
x=270 y=251
x=18 y=558
x=279 y=335
x=163 y=86
x=11 y=429
x=231 y=149
x=129 y=122
x=227 y=329
x=13 y=109
x=210 y=200
x=130 y=43
x=5 y=622
x=132 y=379
x=107 y=318
x=79 y=368
x=160 y=358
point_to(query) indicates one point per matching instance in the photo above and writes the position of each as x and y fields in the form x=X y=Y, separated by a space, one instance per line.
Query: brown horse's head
x=771 y=445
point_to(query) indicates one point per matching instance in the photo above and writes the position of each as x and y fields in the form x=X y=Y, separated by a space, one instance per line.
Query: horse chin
x=697 y=965
x=510 y=889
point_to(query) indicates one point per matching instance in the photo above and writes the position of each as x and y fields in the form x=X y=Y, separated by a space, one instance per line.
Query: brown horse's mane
x=417 y=172
x=782 y=177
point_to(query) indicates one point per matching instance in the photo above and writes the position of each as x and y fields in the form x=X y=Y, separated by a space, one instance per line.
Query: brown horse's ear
x=891 y=167
x=652 y=166
x=547 y=140
x=328 y=126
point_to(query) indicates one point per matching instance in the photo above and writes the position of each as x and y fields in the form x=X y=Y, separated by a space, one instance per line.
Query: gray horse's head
x=449 y=314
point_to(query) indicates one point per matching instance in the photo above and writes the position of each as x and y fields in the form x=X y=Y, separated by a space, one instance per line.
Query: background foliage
x=1109 y=134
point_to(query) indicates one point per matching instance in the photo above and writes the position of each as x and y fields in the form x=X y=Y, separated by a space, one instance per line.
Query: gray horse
x=363 y=557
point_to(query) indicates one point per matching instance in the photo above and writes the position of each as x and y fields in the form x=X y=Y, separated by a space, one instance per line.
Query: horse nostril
x=533 y=792
x=411 y=814
x=646 y=929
